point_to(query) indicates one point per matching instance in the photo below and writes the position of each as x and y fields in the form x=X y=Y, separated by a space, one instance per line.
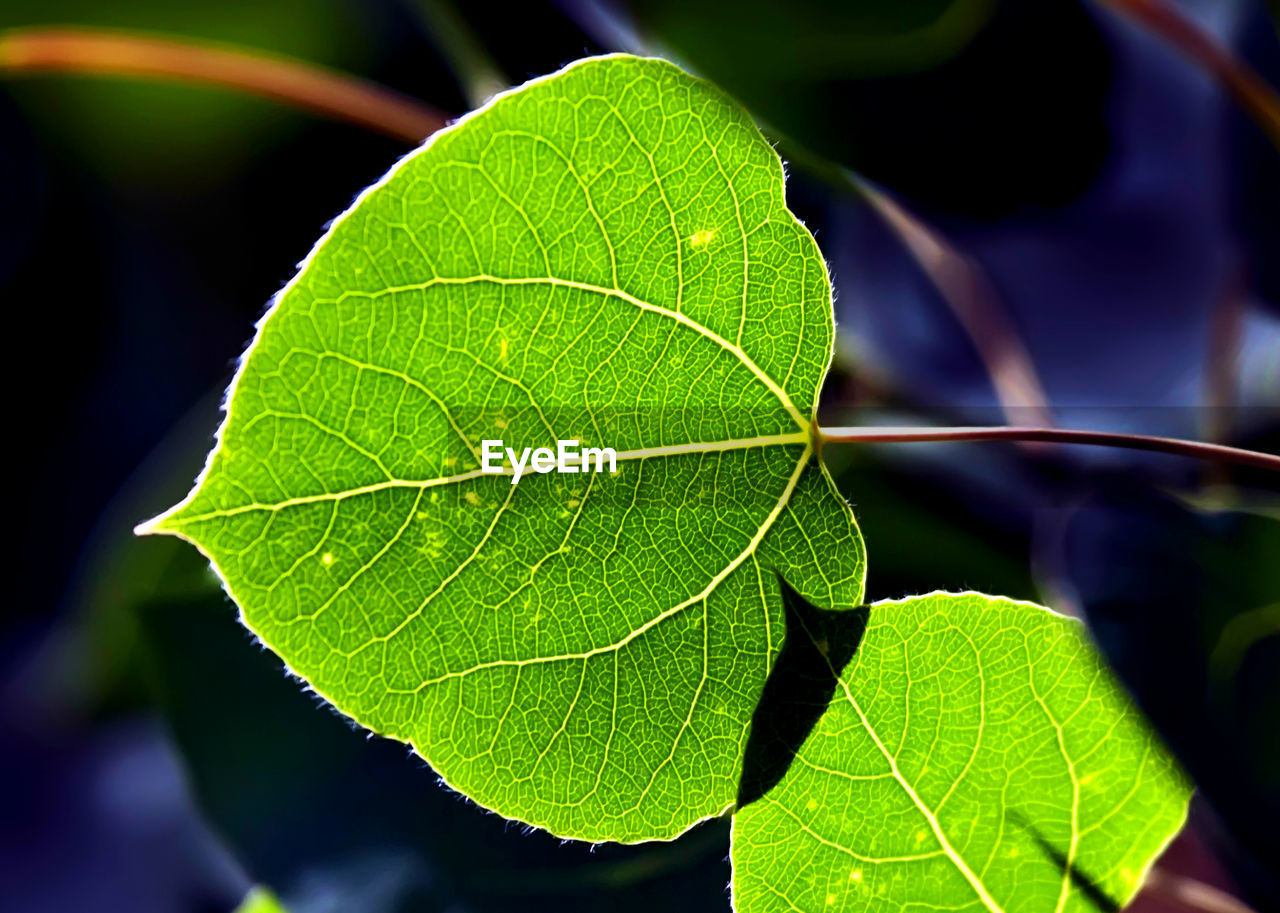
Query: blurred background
x=1034 y=212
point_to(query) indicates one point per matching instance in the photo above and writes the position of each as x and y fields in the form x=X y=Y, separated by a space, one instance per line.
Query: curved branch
x=888 y=435
x=108 y=53
x=965 y=288
x=1192 y=894
x=1250 y=91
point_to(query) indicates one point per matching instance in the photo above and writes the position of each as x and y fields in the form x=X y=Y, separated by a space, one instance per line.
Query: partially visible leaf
x=602 y=255
x=1176 y=592
x=260 y=900
x=977 y=755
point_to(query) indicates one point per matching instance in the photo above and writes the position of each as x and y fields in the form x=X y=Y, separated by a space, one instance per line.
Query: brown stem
x=1222 y=361
x=346 y=98
x=965 y=288
x=1250 y=91
x=873 y=435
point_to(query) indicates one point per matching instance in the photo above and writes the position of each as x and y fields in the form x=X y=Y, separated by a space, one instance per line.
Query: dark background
x=1127 y=216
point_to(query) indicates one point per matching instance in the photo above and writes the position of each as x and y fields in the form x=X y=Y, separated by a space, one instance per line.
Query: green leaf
x=602 y=255
x=260 y=900
x=977 y=755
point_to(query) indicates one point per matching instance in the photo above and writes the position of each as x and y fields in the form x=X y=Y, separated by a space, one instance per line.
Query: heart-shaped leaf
x=601 y=256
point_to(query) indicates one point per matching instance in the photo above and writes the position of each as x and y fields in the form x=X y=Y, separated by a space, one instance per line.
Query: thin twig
x=968 y=292
x=962 y=284
x=107 y=53
x=888 y=435
x=477 y=72
x=1192 y=894
x=1250 y=91
x=1222 y=360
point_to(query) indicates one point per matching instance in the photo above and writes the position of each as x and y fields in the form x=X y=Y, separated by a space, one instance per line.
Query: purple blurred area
x=104 y=820
x=1114 y=292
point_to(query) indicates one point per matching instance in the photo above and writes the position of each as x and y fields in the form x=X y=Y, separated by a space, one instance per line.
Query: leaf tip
x=159 y=525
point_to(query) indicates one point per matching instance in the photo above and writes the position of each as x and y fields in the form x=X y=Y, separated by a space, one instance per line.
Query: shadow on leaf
x=819 y=644
x=1093 y=892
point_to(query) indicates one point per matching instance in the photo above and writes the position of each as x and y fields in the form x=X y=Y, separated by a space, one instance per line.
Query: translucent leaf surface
x=976 y=756
x=603 y=255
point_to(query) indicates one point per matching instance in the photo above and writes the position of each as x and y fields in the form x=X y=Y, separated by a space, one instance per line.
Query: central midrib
x=776 y=440
x=800 y=436
x=934 y=825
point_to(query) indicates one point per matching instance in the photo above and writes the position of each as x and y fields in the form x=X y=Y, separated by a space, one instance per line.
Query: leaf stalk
x=1033 y=434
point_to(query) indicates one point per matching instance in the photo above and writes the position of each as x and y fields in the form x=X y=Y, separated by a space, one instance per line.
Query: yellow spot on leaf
x=327 y=558
x=472 y=498
x=811 y=804
x=855 y=875
x=700 y=239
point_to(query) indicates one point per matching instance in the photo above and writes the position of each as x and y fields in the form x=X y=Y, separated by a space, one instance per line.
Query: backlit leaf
x=976 y=756
x=604 y=255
